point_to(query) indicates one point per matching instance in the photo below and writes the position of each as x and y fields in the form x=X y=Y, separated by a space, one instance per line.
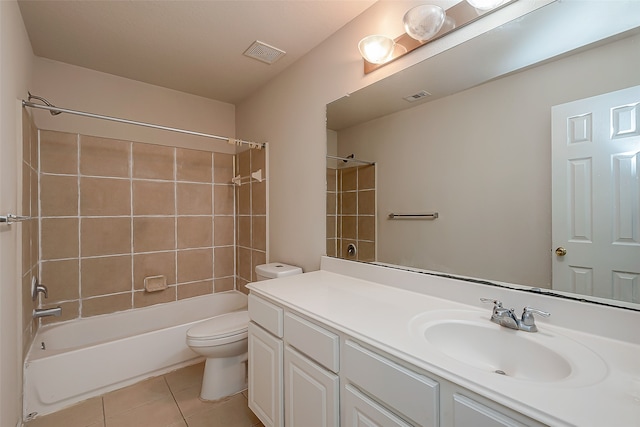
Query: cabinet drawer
x=312 y=340
x=467 y=412
x=409 y=394
x=361 y=411
x=267 y=315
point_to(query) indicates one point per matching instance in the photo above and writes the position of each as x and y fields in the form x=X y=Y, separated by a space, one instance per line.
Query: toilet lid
x=221 y=326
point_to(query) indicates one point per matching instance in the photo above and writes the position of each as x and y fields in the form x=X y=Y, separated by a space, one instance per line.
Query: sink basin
x=469 y=338
x=502 y=351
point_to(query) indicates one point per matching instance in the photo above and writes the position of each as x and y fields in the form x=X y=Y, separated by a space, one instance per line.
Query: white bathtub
x=88 y=357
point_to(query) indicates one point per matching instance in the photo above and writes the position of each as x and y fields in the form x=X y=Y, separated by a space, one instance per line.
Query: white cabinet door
x=469 y=413
x=311 y=393
x=360 y=411
x=265 y=376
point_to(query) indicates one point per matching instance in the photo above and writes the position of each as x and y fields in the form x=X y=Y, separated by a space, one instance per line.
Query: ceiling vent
x=417 y=96
x=263 y=52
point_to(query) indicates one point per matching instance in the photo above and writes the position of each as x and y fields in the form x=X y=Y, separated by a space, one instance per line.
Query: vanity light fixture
x=423 y=24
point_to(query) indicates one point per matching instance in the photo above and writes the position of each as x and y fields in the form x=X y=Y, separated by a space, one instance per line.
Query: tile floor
x=170 y=400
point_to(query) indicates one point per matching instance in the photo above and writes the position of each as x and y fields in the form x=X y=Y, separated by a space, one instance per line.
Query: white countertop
x=385 y=317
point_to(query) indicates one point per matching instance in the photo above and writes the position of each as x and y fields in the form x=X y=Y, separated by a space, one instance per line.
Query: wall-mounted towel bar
x=11 y=218
x=432 y=215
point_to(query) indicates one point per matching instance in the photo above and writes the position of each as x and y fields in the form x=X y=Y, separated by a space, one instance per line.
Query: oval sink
x=501 y=351
x=468 y=337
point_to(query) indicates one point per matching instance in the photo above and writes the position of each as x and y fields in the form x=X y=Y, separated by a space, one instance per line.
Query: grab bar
x=432 y=215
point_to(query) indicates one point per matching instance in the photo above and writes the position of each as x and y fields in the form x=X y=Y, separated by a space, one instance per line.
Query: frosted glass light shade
x=376 y=49
x=485 y=4
x=424 y=21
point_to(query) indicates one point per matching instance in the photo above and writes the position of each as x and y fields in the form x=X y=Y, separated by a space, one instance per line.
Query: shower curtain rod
x=57 y=110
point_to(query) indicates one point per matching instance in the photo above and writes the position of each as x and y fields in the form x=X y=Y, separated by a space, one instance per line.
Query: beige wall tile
x=366 y=251
x=257 y=160
x=241 y=285
x=34 y=227
x=222 y=168
x=189 y=290
x=105 y=275
x=332 y=247
x=332 y=180
x=26 y=136
x=153 y=234
x=348 y=179
x=61 y=279
x=331 y=227
x=153 y=161
x=27 y=262
x=194 y=199
x=244 y=263
x=244 y=231
x=59 y=195
x=58 y=152
x=104 y=157
x=145 y=299
x=106 y=304
x=26 y=190
x=105 y=236
x=105 y=197
x=331 y=203
x=223 y=230
x=34 y=192
x=366 y=228
x=349 y=230
x=195 y=265
x=193 y=165
x=366 y=177
x=223 y=284
x=257 y=258
x=243 y=165
x=349 y=204
x=35 y=147
x=153 y=198
x=59 y=238
x=223 y=261
x=154 y=264
x=244 y=200
x=367 y=202
x=259 y=235
x=223 y=199
x=195 y=232
x=259 y=198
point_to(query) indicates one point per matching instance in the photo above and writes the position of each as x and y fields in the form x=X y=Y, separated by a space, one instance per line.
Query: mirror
x=477 y=149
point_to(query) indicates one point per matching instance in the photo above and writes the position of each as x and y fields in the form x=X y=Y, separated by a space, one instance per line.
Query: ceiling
x=190 y=46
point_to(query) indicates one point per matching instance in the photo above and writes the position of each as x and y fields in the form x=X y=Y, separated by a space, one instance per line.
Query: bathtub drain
x=500 y=372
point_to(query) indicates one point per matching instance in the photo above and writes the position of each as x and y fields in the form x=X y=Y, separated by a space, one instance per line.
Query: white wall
x=289 y=113
x=78 y=88
x=16 y=59
x=482 y=159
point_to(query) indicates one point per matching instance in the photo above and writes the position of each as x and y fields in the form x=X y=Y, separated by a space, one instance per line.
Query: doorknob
x=560 y=251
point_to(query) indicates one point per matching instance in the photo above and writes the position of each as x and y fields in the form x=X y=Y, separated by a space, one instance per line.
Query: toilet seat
x=219 y=330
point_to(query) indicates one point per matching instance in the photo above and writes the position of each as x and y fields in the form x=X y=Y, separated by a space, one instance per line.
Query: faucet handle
x=495 y=302
x=528 y=322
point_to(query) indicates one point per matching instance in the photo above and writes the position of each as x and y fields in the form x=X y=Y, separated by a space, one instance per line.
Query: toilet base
x=224 y=376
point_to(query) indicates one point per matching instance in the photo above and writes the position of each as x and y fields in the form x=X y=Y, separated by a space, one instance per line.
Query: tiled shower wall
x=29 y=229
x=115 y=212
x=351 y=212
x=251 y=197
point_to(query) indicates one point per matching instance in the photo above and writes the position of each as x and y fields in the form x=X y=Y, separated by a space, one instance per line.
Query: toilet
x=223 y=341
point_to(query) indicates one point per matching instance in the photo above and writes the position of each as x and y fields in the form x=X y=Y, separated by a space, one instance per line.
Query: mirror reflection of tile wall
x=351 y=212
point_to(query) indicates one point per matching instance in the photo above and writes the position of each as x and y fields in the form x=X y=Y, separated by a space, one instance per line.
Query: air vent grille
x=263 y=52
x=417 y=96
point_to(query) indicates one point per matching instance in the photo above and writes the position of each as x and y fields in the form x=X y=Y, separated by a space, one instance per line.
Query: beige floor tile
x=190 y=403
x=233 y=412
x=84 y=414
x=158 y=413
x=186 y=377
x=139 y=394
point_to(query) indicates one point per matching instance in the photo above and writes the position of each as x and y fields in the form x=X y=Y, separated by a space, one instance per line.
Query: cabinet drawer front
x=311 y=393
x=359 y=410
x=411 y=395
x=265 y=314
x=312 y=340
x=468 y=412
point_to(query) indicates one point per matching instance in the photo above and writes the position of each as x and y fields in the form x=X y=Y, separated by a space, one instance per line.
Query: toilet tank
x=274 y=270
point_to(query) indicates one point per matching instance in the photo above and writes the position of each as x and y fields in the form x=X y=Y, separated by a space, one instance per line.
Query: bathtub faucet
x=44 y=312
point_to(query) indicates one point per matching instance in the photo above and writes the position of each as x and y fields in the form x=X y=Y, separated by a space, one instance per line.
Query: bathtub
x=84 y=358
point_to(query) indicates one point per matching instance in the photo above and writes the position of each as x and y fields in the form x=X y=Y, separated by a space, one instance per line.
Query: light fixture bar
x=461 y=14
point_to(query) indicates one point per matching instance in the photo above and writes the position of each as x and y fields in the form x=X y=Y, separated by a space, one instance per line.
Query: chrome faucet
x=45 y=312
x=507 y=317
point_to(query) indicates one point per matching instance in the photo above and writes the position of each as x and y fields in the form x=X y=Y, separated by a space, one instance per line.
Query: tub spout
x=44 y=312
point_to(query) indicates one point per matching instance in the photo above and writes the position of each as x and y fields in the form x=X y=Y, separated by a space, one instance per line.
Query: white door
x=596 y=196
x=265 y=376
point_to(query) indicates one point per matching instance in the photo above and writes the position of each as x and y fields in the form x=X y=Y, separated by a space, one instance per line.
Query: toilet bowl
x=223 y=341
